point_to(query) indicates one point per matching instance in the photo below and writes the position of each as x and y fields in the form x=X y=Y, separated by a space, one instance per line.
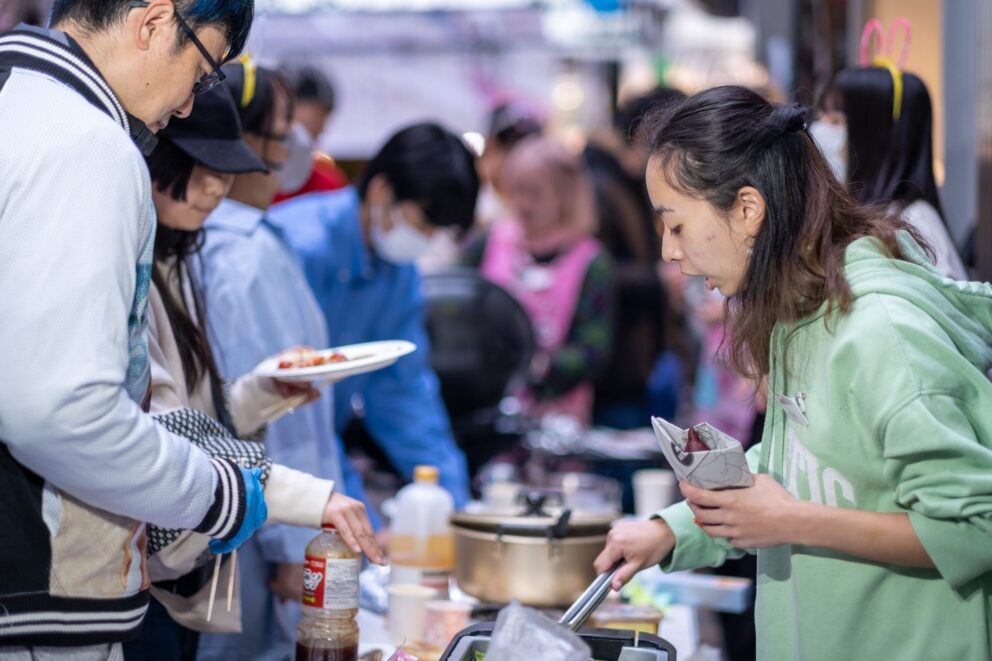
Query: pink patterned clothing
x=550 y=295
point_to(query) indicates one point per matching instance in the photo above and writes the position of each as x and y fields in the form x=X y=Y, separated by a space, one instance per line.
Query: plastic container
x=327 y=630
x=606 y=644
x=421 y=546
x=725 y=594
x=612 y=615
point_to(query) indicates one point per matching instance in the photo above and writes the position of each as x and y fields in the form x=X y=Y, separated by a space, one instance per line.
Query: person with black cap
x=192 y=170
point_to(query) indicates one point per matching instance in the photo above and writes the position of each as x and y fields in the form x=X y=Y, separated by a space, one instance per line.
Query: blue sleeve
x=403 y=408
x=242 y=335
x=354 y=488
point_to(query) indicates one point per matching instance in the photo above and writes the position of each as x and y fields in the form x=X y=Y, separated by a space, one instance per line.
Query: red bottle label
x=313 y=582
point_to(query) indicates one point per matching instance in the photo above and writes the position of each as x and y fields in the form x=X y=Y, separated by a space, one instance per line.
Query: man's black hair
x=432 y=167
x=233 y=17
x=309 y=84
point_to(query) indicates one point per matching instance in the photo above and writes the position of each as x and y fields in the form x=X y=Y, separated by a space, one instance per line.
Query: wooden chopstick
x=213 y=588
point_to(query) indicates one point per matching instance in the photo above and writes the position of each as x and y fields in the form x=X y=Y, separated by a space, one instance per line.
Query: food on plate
x=309 y=358
x=695 y=442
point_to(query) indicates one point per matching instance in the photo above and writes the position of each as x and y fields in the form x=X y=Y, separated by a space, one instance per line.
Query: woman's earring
x=748 y=252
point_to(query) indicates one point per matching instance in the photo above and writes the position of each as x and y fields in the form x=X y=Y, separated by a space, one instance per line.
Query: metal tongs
x=589 y=601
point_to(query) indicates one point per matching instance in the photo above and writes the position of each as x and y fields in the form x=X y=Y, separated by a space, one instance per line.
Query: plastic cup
x=407 y=612
x=654 y=490
x=501 y=496
x=444 y=619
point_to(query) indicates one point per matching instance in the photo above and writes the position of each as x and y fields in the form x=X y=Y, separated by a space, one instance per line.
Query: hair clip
x=896 y=73
x=251 y=80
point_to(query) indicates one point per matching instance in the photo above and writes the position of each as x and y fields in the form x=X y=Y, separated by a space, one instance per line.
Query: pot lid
x=534 y=520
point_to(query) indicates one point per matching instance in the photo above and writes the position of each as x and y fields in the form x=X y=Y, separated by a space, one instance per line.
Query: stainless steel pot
x=538 y=558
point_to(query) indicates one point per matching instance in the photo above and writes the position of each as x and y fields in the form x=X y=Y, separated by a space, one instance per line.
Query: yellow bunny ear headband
x=250 y=82
x=883 y=54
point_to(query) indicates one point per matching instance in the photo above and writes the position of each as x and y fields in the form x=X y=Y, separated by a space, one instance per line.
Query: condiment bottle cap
x=425 y=474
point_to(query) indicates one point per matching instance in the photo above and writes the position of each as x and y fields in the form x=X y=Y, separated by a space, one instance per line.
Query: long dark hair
x=170 y=171
x=889 y=160
x=718 y=141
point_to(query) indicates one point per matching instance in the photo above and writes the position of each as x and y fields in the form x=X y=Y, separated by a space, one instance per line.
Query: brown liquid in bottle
x=327 y=630
x=307 y=653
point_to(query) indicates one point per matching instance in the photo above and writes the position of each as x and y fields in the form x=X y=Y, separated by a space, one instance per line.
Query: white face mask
x=832 y=140
x=298 y=166
x=400 y=245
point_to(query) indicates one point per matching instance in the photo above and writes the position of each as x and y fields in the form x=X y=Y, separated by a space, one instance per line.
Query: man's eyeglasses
x=209 y=80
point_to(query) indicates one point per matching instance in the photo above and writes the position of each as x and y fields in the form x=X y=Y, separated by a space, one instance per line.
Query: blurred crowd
x=264 y=243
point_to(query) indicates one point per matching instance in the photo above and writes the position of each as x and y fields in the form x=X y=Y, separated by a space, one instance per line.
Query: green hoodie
x=898 y=419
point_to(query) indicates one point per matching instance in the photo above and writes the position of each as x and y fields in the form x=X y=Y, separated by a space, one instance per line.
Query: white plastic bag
x=524 y=633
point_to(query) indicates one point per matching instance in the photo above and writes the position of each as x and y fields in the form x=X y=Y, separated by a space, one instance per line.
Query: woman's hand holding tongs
x=639 y=544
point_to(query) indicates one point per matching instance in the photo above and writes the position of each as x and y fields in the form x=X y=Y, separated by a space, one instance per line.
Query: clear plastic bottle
x=327 y=630
x=421 y=546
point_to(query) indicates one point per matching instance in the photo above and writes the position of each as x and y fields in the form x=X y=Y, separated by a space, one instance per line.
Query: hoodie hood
x=962 y=309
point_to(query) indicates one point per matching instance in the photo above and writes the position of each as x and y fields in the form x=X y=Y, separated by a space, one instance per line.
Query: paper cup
x=407 y=612
x=444 y=619
x=654 y=489
x=501 y=496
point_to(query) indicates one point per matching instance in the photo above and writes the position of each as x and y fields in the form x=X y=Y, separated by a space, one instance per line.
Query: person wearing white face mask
x=358 y=246
x=396 y=240
x=830 y=134
x=875 y=130
x=298 y=167
x=315 y=101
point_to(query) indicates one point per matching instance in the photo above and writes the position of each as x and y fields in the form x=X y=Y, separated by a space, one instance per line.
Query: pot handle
x=560 y=529
x=589 y=601
x=534 y=502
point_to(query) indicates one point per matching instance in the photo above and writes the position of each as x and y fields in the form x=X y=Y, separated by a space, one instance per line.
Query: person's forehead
x=655 y=177
x=531 y=174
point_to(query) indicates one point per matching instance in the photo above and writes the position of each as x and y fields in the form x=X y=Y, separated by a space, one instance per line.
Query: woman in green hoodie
x=871 y=512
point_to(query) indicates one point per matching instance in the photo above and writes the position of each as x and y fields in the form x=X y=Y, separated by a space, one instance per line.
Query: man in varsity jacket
x=82 y=466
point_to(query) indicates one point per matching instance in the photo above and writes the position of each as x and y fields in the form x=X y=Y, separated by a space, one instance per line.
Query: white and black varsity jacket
x=81 y=465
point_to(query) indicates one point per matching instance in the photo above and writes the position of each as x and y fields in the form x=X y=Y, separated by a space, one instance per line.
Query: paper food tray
x=724 y=466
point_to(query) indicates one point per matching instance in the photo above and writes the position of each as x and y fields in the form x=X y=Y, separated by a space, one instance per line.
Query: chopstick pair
x=230 y=583
x=273 y=412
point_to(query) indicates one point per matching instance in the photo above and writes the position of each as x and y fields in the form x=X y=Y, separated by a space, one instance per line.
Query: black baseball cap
x=211 y=135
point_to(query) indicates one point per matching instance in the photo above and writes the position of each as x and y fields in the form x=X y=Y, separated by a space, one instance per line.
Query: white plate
x=362 y=358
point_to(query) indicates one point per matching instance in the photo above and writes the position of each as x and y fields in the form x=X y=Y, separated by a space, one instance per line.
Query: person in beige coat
x=192 y=170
